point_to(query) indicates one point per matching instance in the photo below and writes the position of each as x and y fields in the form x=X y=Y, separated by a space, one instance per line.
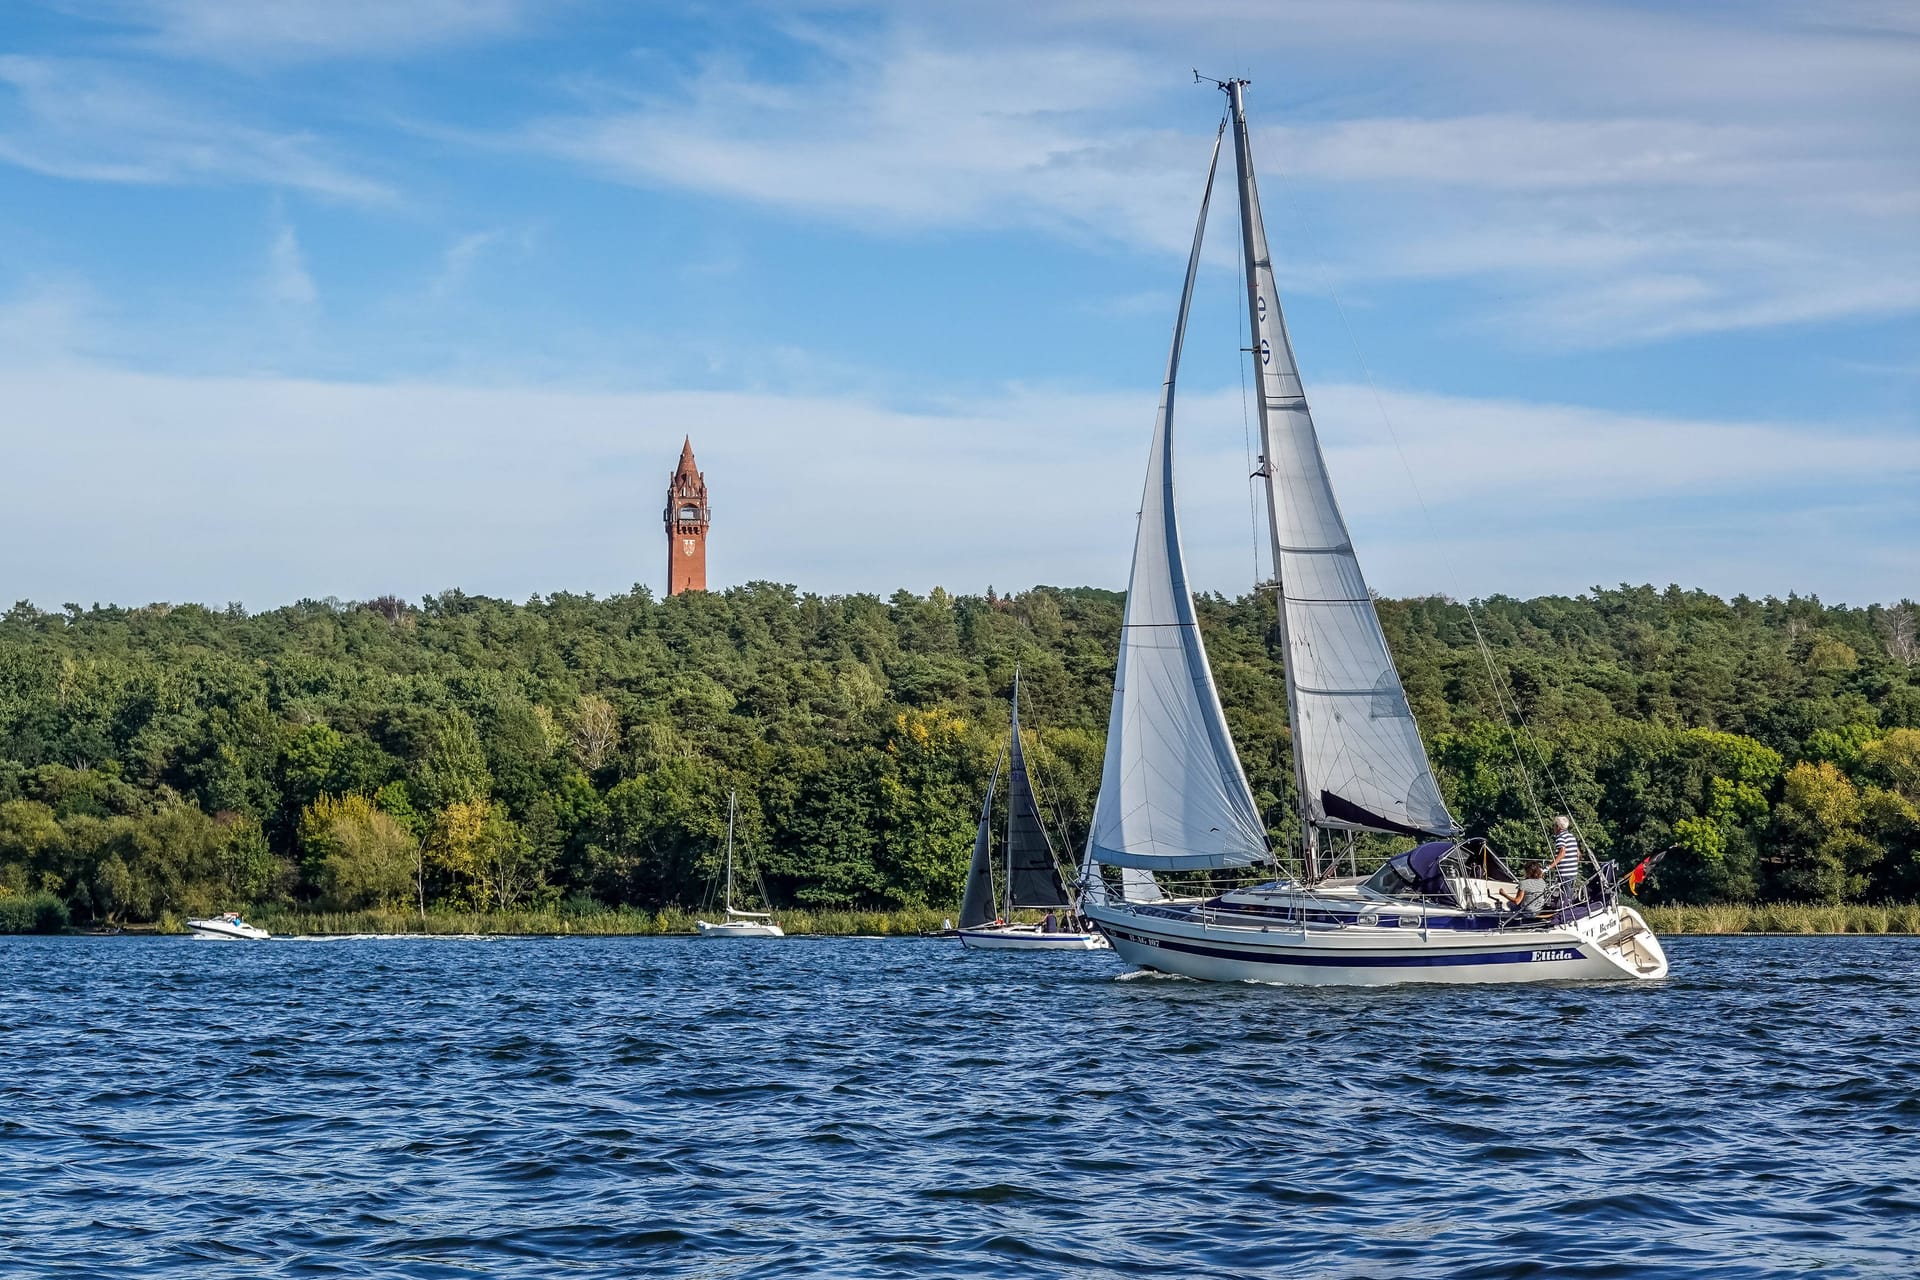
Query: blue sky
x=305 y=299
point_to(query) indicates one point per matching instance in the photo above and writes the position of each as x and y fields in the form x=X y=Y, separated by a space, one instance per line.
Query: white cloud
x=457 y=261
x=269 y=489
x=93 y=122
x=288 y=282
x=902 y=133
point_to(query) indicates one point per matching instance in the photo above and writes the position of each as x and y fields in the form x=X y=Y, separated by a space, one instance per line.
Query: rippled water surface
x=900 y=1107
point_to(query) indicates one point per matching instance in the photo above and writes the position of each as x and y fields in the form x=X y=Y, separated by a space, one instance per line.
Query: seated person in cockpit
x=1530 y=895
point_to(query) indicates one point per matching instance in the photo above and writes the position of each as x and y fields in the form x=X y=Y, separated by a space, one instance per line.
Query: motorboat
x=738 y=924
x=1174 y=797
x=1031 y=879
x=227 y=925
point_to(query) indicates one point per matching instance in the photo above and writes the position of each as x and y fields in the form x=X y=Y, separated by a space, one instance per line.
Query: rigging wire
x=1055 y=808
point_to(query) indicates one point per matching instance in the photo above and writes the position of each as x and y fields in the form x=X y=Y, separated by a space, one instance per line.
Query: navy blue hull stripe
x=1530 y=956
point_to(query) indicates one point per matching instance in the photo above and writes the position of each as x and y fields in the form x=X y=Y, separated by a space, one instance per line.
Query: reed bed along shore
x=1786 y=917
x=1713 y=918
x=621 y=922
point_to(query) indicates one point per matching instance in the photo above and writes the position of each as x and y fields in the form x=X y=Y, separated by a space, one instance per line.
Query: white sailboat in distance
x=1174 y=797
x=738 y=924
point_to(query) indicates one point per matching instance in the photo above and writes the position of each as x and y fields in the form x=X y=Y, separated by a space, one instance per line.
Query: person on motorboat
x=1529 y=894
x=1566 y=858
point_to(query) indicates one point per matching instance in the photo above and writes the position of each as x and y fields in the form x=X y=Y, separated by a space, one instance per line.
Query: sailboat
x=738 y=924
x=1173 y=795
x=1032 y=878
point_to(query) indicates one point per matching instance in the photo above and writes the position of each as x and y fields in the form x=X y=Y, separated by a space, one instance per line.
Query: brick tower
x=687 y=517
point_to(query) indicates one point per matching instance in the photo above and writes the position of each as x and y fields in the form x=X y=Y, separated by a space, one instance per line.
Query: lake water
x=898 y=1107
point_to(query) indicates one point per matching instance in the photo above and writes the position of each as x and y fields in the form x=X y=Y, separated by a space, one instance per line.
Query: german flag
x=1637 y=876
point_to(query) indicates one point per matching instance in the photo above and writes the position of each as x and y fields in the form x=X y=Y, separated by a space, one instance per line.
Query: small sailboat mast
x=729 y=889
x=1013 y=739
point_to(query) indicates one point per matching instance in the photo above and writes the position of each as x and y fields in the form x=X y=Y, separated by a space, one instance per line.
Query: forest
x=476 y=754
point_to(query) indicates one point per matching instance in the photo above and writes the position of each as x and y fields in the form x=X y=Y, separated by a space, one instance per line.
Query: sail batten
x=1172 y=793
x=1358 y=757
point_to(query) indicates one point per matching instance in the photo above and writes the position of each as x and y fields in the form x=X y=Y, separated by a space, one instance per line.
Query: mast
x=1014 y=747
x=1359 y=762
x=1255 y=257
x=729 y=851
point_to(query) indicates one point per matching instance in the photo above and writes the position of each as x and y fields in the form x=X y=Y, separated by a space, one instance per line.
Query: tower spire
x=687 y=518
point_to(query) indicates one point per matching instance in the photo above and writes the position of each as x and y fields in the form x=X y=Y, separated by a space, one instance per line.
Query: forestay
x=1358 y=753
x=1172 y=794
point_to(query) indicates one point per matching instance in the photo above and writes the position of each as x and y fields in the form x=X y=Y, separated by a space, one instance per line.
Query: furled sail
x=976 y=907
x=1357 y=751
x=1033 y=877
x=1172 y=794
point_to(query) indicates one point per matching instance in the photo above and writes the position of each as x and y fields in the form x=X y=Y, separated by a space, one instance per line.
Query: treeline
x=475 y=754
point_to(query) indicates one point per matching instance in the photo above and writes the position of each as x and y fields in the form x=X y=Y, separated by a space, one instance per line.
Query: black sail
x=1031 y=870
x=976 y=908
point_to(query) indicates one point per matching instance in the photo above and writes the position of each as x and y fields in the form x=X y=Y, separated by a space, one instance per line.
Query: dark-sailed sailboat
x=1031 y=879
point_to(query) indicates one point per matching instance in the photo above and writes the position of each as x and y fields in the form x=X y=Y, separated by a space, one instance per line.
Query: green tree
x=1823 y=856
x=358 y=855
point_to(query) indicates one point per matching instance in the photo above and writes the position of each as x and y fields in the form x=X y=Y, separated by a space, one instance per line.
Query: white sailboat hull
x=1027 y=938
x=739 y=929
x=1610 y=944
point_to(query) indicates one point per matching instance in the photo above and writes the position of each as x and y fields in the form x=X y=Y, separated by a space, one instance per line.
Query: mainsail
x=1357 y=751
x=1033 y=878
x=1172 y=794
x=976 y=907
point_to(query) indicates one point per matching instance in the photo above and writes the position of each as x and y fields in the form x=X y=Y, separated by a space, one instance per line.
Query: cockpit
x=1443 y=874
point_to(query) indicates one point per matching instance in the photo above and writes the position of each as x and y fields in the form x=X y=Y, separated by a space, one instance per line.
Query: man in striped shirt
x=1565 y=866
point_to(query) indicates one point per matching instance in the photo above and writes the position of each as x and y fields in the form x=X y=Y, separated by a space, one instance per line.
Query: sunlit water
x=867 y=1108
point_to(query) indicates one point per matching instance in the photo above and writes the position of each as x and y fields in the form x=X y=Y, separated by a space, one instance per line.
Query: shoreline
x=1779 y=920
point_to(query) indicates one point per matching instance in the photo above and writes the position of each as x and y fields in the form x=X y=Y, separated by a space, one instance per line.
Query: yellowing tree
x=1823 y=856
x=357 y=854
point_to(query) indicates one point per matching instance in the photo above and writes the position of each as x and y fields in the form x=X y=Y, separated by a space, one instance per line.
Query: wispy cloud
x=1621 y=203
x=95 y=122
x=288 y=282
x=458 y=259
x=895 y=132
